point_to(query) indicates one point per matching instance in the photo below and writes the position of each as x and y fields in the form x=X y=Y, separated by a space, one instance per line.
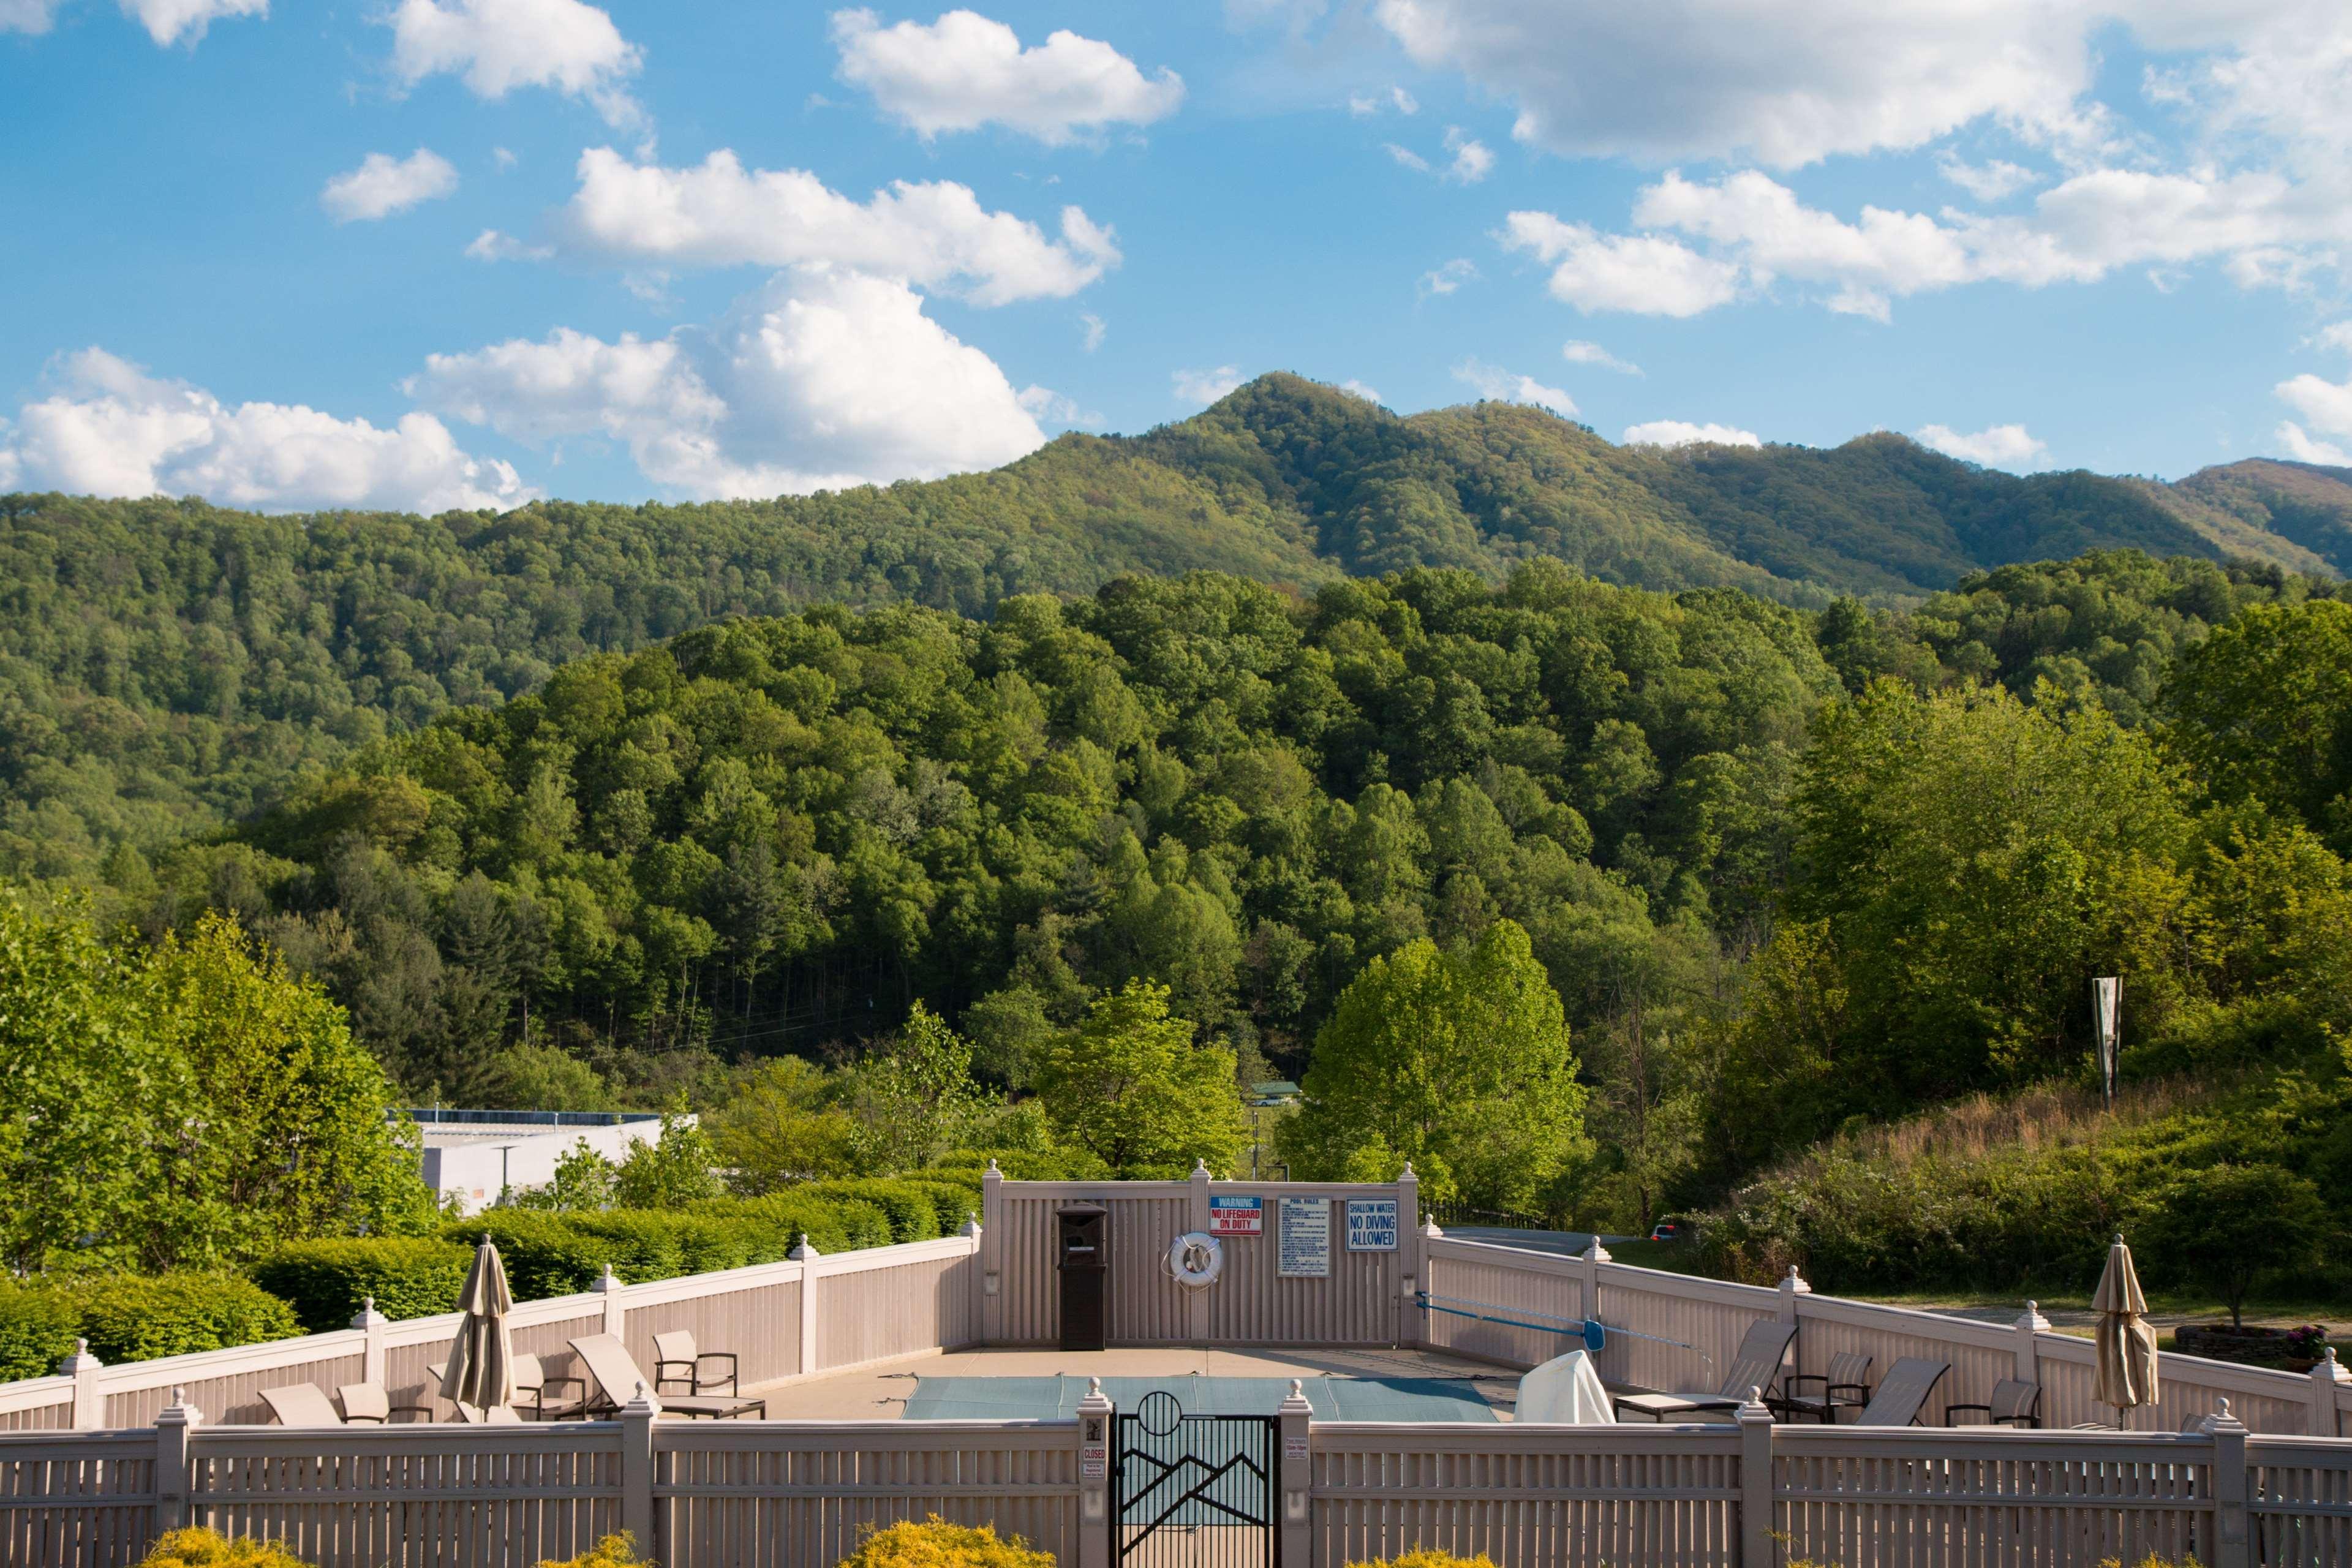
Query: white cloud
x=1640 y=273
x=964 y=71
x=498 y=45
x=110 y=428
x=1988 y=181
x=2334 y=335
x=1508 y=386
x=1996 y=446
x=1790 y=84
x=490 y=244
x=2326 y=404
x=28 y=16
x=1472 y=161
x=1682 y=433
x=821 y=379
x=1448 y=277
x=504 y=159
x=2304 y=449
x=1094 y=331
x=1406 y=157
x=1755 y=232
x=1204 y=387
x=1361 y=104
x=383 y=185
x=935 y=235
x=1050 y=407
x=1578 y=352
x=169 y=21
x=1355 y=388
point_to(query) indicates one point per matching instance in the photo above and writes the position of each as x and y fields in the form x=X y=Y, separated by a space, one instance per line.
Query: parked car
x=1669 y=1230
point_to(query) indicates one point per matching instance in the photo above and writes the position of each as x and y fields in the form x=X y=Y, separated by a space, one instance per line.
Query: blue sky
x=425 y=253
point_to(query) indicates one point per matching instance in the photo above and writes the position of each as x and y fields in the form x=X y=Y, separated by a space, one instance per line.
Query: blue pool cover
x=1334 y=1398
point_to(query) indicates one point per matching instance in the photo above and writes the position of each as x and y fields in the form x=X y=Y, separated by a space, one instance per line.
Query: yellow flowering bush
x=613 y=1552
x=936 y=1544
x=200 y=1548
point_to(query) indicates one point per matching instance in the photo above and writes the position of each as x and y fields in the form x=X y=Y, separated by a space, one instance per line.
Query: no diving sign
x=1372 y=1225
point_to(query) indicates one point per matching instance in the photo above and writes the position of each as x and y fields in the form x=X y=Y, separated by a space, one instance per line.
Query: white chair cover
x=1566 y=1389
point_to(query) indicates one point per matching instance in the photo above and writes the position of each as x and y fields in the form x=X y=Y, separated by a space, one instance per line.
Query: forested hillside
x=167 y=666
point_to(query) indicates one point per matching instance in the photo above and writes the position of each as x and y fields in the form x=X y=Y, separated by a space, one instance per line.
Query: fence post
x=2030 y=1324
x=992 y=1224
x=1196 y=1218
x=372 y=1323
x=2228 y=1488
x=1756 y=1483
x=1411 y=1264
x=1095 y=1525
x=172 y=1475
x=616 y=1316
x=1298 y=1521
x=1595 y=1255
x=89 y=1404
x=977 y=1301
x=637 y=1470
x=2326 y=1377
x=806 y=1256
x=1792 y=1285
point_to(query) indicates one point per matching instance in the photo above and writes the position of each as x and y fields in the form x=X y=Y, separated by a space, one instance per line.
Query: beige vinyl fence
x=811 y=1314
x=1536 y=1297
x=756 y=1494
x=1364 y=1300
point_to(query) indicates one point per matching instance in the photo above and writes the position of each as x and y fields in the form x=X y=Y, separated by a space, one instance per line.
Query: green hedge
x=913 y=1216
x=1022 y=1165
x=327 y=1282
x=37 y=1328
x=560 y=1254
x=832 y=1224
x=952 y=1199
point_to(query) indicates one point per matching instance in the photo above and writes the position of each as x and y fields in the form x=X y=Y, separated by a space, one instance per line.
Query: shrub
x=911 y=1213
x=1022 y=1164
x=1429 y=1557
x=833 y=1224
x=200 y=1548
x=327 y=1281
x=37 y=1328
x=130 y=1316
x=954 y=1201
x=545 y=1254
x=936 y=1544
x=613 y=1552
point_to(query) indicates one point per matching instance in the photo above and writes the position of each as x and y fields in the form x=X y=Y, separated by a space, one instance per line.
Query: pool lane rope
x=1591 y=1332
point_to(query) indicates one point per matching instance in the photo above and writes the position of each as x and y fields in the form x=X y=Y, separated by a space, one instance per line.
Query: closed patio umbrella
x=2124 y=1365
x=481 y=1363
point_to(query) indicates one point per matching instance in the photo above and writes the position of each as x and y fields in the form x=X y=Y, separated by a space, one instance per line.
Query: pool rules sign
x=1303 y=1237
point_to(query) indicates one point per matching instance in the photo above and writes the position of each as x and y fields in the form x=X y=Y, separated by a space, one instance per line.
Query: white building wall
x=474 y=1171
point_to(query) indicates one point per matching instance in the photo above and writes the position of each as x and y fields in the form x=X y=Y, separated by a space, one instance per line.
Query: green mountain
x=167 y=663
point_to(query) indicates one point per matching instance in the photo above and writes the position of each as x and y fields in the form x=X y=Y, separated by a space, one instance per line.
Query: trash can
x=1083 y=1258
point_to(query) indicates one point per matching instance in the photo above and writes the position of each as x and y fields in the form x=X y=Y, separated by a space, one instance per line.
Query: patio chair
x=370 y=1403
x=532 y=1399
x=1846 y=1386
x=677 y=1361
x=2014 y=1403
x=1758 y=1365
x=1903 y=1393
x=302 y=1404
x=608 y=1361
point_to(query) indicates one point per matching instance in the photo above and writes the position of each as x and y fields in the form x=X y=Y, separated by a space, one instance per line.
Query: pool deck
x=880 y=1392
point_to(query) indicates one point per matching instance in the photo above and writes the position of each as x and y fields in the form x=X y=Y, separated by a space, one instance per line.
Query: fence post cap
x=970 y=1225
x=1794 y=1282
x=180 y=1413
x=1429 y=1228
x=992 y=1169
x=1096 y=1403
x=802 y=1251
x=2327 y=1369
x=1753 y=1408
x=1596 y=1252
x=81 y=1361
x=2031 y=1320
x=643 y=1407
x=367 y=1316
x=2221 y=1422
x=1406 y=1175
x=608 y=1280
x=1296 y=1403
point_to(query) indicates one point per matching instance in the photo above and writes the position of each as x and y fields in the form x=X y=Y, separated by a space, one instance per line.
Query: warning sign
x=1236 y=1216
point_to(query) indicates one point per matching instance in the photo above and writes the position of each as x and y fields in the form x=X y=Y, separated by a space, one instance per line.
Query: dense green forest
x=166 y=667
x=1713 y=816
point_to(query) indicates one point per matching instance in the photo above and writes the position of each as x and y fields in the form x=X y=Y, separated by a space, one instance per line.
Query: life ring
x=1196 y=1258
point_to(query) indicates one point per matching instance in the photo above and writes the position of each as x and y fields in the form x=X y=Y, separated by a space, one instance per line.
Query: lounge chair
x=2014 y=1403
x=368 y=1403
x=1846 y=1385
x=1758 y=1365
x=676 y=1360
x=1903 y=1393
x=302 y=1404
x=608 y=1361
x=531 y=1396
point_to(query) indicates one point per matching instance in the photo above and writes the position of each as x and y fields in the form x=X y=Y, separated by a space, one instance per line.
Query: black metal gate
x=1194 y=1492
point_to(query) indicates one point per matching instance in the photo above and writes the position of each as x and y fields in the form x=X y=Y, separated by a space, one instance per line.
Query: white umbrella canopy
x=2124 y=1364
x=481 y=1363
